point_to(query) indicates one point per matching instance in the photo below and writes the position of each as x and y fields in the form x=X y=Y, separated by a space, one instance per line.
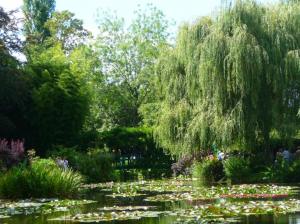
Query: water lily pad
x=4 y=216
x=127 y=208
x=194 y=203
x=125 y=195
x=236 y=191
x=226 y=209
x=109 y=216
x=45 y=206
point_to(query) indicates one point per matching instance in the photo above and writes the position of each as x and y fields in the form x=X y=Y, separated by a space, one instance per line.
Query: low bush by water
x=208 y=171
x=282 y=172
x=95 y=165
x=237 y=169
x=43 y=178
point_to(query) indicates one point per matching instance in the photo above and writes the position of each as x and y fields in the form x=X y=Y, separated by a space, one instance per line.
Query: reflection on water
x=102 y=200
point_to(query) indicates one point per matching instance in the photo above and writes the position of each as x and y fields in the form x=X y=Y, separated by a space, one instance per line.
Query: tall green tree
x=84 y=61
x=64 y=28
x=60 y=100
x=232 y=80
x=37 y=12
x=13 y=89
x=61 y=69
x=127 y=56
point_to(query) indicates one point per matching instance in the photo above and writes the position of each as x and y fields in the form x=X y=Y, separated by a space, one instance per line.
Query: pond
x=161 y=201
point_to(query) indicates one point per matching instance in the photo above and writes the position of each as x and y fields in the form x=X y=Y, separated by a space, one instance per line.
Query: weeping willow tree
x=232 y=80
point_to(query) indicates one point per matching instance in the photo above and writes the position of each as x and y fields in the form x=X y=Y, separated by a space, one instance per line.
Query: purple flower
x=11 y=153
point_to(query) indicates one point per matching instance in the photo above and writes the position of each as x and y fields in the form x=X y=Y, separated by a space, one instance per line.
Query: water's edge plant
x=42 y=178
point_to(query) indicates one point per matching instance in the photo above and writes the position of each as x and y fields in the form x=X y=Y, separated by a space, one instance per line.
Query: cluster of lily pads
x=216 y=204
x=236 y=191
x=165 y=185
x=183 y=189
x=114 y=213
x=223 y=210
x=44 y=206
x=228 y=209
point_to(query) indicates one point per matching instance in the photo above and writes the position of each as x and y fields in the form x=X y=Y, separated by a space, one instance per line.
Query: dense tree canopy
x=59 y=69
x=12 y=85
x=127 y=56
x=67 y=30
x=59 y=99
x=37 y=12
x=232 y=80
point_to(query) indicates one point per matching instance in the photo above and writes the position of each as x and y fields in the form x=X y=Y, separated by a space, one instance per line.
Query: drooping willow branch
x=233 y=80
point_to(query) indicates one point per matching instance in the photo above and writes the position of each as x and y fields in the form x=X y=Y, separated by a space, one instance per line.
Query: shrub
x=282 y=172
x=294 y=174
x=43 y=178
x=277 y=172
x=237 y=169
x=183 y=165
x=96 y=164
x=208 y=171
x=137 y=146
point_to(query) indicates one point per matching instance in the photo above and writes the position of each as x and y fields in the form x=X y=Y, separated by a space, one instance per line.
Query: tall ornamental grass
x=43 y=178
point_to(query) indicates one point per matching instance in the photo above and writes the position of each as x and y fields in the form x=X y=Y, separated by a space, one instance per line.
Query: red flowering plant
x=11 y=153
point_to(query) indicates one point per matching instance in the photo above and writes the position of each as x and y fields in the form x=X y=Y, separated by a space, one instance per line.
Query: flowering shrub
x=11 y=153
x=183 y=165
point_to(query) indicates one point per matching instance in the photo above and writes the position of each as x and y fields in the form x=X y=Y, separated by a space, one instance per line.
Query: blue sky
x=177 y=10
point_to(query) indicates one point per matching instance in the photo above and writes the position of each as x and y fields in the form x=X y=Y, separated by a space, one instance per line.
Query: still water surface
x=102 y=199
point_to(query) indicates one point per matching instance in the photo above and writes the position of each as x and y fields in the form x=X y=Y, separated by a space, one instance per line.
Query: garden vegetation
x=130 y=101
x=232 y=80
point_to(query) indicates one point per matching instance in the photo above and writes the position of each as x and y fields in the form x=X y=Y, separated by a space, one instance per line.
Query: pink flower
x=11 y=153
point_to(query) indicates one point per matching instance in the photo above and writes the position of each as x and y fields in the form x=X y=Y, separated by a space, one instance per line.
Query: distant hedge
x=136 y=144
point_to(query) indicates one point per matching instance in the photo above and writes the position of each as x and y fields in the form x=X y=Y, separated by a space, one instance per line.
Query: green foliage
x=67 y=30
x=282 y=172
x=132 y=174
x=128 y=56
x=237 y=169
x=137 y=142
x=231 y=79
x=13 y=88
x=62 y=73
x=208 y=171
x=42 y=179
x=95 y=164
x=13 y=96
x=60 y=101
x=37 y=12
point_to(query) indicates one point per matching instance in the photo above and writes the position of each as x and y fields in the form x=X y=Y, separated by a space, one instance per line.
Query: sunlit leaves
x=231 y=80
x=128 y=55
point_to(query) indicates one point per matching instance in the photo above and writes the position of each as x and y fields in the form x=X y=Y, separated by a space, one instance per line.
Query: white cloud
x=11 y=4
